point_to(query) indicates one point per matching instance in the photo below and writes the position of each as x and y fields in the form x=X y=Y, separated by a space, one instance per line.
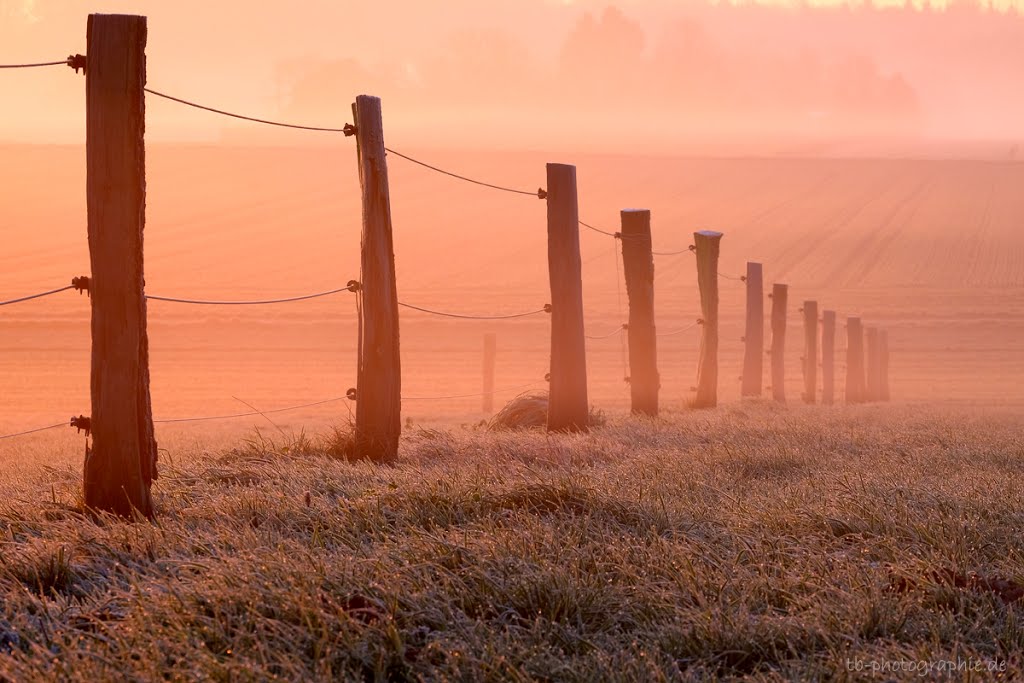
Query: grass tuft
x=530 y=411
x=743 y=543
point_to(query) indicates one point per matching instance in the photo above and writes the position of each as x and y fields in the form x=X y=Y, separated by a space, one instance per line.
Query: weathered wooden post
x=379 y=388
x=568 y=409
x=828 y=357
x=884 y=365
x=780 y=293
x=490 y=354
x=883 y=350
x=854 y=361
x=873 y=390
x=120 y=466
x=638 y=267
x=753 y=337
x=810 y=311
x=707 y=245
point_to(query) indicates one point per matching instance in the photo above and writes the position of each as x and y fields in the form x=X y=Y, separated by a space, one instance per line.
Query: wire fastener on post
x=82 y=424
x=77 y=62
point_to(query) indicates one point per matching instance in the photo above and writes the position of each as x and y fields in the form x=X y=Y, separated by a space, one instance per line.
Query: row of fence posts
x=120 y=463
x=867 y=350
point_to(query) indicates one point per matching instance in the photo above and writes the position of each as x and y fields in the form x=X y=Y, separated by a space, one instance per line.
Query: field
x=753 y=540
x=749 y=542
x=931 y=249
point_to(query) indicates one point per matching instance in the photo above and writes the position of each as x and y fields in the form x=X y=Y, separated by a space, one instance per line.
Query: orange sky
x=539 y=72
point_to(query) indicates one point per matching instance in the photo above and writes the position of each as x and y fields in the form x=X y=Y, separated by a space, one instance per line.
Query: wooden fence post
x=780 y=293
x=638 y=267
x=828 y=357
x=490 y=354
x=707 y=245
x=379 y=381
x=883 y=342
x=854 y=361
x=753 y=337
x=121 y=463
x=810 y=311
x=873 y=390
x=568 y=409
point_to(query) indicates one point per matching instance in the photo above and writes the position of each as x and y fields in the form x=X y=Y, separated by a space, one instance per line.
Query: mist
x=648 y=76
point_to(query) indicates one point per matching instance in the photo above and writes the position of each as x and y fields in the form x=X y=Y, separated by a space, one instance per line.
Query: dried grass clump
x=530 y=411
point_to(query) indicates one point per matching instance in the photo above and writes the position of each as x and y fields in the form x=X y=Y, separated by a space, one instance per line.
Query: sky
x=647 y=73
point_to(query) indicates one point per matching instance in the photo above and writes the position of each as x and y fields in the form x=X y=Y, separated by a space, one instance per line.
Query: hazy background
x=663 y=75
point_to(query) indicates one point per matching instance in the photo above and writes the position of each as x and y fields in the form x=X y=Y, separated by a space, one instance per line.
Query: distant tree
x=599 y=57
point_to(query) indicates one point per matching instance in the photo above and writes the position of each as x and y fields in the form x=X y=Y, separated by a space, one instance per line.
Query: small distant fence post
x=873 y=390
x=828 y=357
x=883 y=343
x=780 y=293
x=638 y=267
x=490 y=353
x=753 y=338
x=854 y=361
x=121 y=463
x=810 y=311
x=379 y=381
x=568 y=408
x=707 y=245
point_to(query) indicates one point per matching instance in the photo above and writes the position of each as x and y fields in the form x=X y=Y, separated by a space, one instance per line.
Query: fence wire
x=241 y=116
x=540 y=193
x=253 y=413
x=40 y=295
x=679 y=331
x=63 y=62
x=617 y=330
x=620 y=236
x=478 y=395
x=33 y=431
x=257 y=302
x=472 y=317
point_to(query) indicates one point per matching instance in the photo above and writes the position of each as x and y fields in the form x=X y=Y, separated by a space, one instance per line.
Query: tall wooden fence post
x=780 y=293
x=854 y=361
x=490 y=354
x=568 y=409
x=707 y=244
x=638 y=267
x=121 y=464
x=873 y=391
x=379 y=388
x=828 y=357
x=753 y=337
x=883 y=342
x=810 y=351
